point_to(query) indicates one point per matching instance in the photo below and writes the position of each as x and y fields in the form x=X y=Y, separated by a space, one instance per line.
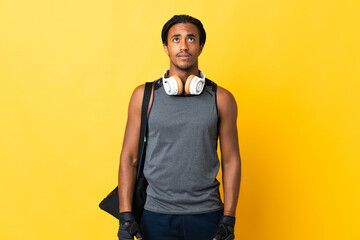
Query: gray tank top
x=181 y=162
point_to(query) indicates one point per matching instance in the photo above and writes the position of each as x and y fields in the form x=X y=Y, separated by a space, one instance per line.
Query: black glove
x=225 y=229
x=128 y=227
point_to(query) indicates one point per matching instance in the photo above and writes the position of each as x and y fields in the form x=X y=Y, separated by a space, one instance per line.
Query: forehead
x=183 y=29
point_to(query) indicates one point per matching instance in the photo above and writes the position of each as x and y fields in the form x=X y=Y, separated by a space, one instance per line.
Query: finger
x=217 y=237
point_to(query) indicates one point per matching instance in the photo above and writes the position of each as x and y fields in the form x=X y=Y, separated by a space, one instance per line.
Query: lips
x=183 y=56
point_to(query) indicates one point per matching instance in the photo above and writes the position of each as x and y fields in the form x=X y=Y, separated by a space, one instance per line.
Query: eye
x=191 y=39
x=176 y=39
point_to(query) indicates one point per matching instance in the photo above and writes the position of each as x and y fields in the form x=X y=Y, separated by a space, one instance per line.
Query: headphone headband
x=167 y=73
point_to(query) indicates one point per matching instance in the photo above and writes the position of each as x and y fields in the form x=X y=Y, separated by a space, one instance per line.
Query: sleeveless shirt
x=181 y=161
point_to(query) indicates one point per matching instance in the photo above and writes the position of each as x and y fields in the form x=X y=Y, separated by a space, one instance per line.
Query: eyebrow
x=188 y=35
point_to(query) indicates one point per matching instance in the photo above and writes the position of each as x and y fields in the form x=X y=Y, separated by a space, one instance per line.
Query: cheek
x=172 y=52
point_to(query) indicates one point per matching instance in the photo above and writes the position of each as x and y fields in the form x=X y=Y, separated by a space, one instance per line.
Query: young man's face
x=183 y=46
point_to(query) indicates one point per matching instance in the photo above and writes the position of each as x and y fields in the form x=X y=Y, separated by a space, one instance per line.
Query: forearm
x=231 y=184
x=127 y=179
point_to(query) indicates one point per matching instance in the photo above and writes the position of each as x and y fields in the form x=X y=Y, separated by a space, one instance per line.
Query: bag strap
x=143 y=127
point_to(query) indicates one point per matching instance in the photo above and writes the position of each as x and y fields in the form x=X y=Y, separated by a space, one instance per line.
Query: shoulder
x=137 y=98
x=226 y=102
x=138 y=93
x=225 y=98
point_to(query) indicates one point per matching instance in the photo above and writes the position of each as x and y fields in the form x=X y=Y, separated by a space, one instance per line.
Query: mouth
x=183 y=56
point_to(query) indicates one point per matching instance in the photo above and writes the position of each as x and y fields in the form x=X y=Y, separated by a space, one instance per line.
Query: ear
x=201 y=48
x=166 y=49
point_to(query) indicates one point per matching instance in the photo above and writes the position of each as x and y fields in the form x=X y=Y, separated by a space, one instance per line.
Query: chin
x=184 y=67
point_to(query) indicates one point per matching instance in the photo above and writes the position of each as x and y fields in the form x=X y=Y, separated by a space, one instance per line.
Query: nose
x=183 y=45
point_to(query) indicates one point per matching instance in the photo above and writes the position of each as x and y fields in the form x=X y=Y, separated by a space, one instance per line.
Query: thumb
x=138 y=236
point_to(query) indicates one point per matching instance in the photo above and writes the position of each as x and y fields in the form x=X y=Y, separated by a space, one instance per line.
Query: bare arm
x=129 y=154
x=229 y=146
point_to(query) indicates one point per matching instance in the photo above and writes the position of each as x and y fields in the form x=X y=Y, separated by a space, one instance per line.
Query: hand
x=128 y=227
x=225 y=229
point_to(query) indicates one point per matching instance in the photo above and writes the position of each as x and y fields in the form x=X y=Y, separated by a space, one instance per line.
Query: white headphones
x=174 y=86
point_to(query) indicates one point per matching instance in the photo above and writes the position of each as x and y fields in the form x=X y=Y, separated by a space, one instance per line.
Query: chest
x=183 y=113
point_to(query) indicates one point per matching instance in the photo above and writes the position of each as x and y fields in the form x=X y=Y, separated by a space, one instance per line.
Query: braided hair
x=182 y=19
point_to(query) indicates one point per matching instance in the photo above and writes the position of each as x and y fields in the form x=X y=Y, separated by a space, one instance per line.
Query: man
x=187 y=115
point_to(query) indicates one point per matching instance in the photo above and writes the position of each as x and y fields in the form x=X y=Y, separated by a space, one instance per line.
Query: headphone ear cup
x=173 y=85
x=179 y=84
x=194 y=85
x=188 y=83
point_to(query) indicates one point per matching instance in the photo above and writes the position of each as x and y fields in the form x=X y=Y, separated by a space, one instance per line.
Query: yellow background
x=68 y=68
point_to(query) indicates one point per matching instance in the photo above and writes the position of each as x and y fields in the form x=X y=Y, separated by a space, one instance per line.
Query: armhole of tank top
x=216 y=106
x=152 y=100
x=217 y=113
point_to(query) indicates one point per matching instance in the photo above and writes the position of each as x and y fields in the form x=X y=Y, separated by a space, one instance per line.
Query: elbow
x=128 y=160
x=232 y=164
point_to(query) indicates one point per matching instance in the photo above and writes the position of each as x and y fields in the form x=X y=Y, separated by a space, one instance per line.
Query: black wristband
x=126 y=216
x=228 y=220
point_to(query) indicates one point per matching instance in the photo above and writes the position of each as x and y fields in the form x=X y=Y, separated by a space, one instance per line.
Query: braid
x=182 y=19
